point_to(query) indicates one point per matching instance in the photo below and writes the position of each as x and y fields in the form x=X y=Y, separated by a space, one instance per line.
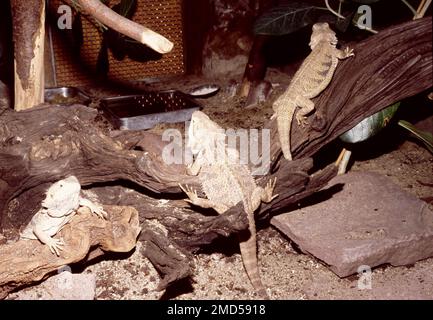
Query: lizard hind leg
x=263 y=194
x=306 y=106
x=201 y=202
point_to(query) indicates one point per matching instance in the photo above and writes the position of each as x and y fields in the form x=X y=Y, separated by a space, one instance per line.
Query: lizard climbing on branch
x=226 y=182
x=309 y=81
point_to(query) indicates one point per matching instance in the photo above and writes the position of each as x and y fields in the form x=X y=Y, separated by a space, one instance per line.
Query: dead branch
x=125 y=26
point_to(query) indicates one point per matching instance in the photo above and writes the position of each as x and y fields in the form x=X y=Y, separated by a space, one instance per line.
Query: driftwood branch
x=68 y=142
x=125 y=26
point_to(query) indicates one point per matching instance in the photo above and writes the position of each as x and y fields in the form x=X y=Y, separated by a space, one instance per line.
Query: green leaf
x=371 y=125
x=425 y=137
x=286 y=18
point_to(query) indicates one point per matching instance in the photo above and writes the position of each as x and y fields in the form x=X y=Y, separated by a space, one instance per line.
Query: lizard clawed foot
x=301 y=120
x=269 y=189
x=55 y=245
x=101 y=214
x=94 y=208
x=348 y=52
x=98 y=210
x=191 y=193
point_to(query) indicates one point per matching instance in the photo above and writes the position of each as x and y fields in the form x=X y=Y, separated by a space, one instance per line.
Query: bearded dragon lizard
x=59 y=206
x=226 y=182
x=312 y=77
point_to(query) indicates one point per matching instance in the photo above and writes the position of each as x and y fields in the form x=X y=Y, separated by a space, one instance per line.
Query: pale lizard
x=226 y=182
x=312 y=77
x=57 y=209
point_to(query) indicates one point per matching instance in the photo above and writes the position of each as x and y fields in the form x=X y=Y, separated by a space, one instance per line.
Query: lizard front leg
x=346 y=53
x=96 y=209
x=194 y=168
x=55 y=245
x=201 y=202
x=263 y=194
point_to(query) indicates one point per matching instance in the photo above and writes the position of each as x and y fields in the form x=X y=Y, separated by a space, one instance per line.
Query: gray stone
x=370 y=221
x=63 y=286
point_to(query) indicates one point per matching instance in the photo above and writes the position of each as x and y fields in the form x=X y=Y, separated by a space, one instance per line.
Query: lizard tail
x=249 y=257
x=284 y=123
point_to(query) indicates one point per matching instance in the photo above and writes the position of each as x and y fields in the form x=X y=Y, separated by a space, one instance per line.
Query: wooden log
x=29 y=38
x=167 y=256
x=255 y=69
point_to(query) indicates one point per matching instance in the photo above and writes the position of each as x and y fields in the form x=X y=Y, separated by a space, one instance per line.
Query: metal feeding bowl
x=66 y=96
x=144 y=111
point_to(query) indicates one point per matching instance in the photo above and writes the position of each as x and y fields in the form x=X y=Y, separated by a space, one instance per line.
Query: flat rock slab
x=63 y=286
x=367 y=220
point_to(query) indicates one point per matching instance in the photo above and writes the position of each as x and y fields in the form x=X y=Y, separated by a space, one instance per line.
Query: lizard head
x=322 y=32
x=203 y=133
x=61 y=195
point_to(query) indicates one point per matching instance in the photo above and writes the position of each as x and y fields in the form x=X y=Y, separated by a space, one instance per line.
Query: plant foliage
x=287 y=18
x=425 y=137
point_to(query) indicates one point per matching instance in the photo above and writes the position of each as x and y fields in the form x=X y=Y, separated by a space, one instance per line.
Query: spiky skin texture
x=312 y=77
x=226 y=183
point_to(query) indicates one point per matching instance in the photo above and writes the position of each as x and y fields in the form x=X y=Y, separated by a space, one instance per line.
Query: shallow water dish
x=144 y=111
x=204 y=91
x=66 y=96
